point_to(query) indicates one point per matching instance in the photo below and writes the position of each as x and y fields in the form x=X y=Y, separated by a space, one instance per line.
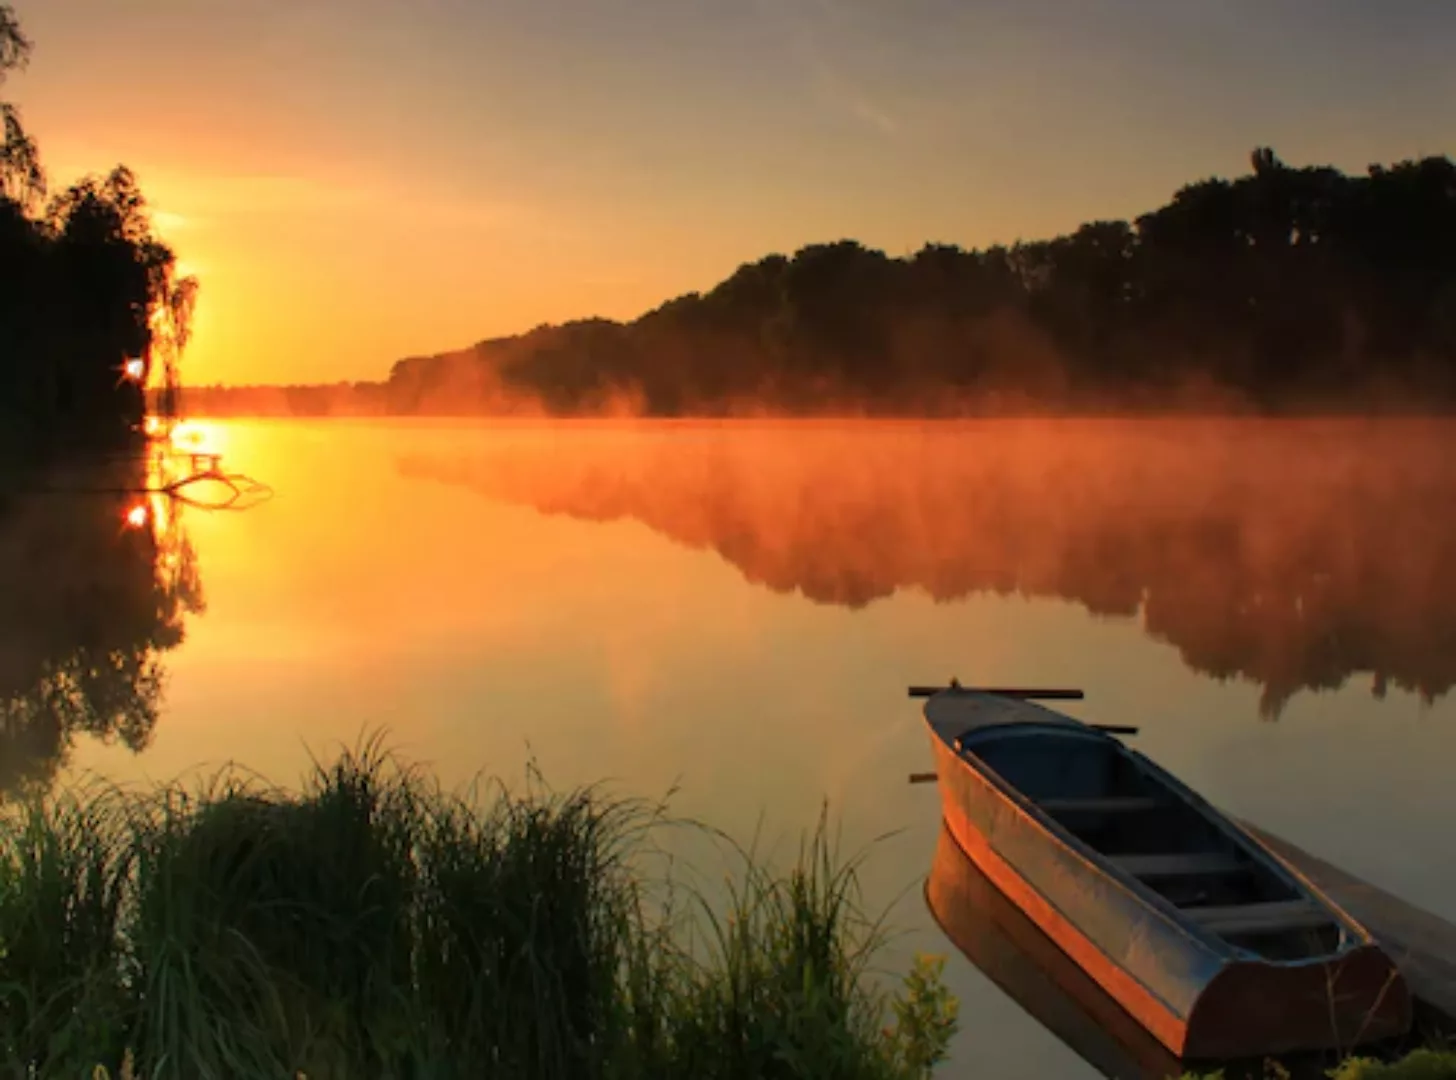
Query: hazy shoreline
x=323 y=402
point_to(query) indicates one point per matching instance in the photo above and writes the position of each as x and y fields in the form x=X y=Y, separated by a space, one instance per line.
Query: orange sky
x=359 y=180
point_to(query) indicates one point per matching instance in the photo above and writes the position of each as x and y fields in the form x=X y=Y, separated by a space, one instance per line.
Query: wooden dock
x=1422 y=944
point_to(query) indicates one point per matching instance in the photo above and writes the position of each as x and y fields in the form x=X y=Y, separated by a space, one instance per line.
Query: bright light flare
x=193 y=438
x=136 y=517
x=152 y=424
x=135 y=368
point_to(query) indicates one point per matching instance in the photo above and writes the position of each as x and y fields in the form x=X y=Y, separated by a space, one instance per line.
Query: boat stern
x=1253 y=1009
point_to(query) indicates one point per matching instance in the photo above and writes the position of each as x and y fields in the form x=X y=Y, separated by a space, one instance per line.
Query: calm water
x=737 y=611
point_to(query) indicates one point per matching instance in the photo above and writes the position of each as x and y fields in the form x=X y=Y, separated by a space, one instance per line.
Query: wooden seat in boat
x=1179 y=865
x=1268 y=918
x=1115 y=804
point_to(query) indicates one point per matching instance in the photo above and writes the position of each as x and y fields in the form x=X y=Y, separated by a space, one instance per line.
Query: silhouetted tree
x=21 y=178
x=86 y=284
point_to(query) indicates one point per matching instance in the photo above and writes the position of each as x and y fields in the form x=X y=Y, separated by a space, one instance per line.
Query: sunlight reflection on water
x=738 y=611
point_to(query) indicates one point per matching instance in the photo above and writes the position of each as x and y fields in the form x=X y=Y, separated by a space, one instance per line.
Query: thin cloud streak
x=806 y=29
x=193 y=199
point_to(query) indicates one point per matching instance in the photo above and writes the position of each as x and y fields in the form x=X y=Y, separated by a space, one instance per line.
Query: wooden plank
x=1123 y=804
x=1179 y=865
x=1269 y=918
x=1422 y=944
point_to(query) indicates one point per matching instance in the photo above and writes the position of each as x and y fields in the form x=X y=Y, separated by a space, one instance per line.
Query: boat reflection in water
x=1032 y=970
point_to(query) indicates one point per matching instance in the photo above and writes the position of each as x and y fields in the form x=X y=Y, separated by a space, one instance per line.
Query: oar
x=1023 y=693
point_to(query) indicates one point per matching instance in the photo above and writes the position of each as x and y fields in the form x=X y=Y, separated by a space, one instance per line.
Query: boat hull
x=996 y=936
x=1194 y=998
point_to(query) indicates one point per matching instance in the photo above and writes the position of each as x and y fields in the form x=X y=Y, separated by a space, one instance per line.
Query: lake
x=735 y=611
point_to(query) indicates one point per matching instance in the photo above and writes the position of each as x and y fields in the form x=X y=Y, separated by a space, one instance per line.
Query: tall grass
x=374 y=925
x=64 y=869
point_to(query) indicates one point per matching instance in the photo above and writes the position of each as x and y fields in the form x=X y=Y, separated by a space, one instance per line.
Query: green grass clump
x=373 y=925
x=64 y=867
x=1426 y=1063
x=782 y=988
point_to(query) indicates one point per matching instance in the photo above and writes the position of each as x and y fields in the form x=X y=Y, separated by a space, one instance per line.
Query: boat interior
x=1125 y=811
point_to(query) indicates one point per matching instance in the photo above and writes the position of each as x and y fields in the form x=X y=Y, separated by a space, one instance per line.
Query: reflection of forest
x=1293 y=554
x=91 y=601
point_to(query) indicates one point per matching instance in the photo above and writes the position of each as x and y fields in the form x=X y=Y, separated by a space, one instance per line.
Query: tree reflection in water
x=97 y=581
x=1293 y=554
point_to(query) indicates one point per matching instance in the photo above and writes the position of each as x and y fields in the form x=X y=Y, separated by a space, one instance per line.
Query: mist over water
x=736 y=610
x=1289 y=554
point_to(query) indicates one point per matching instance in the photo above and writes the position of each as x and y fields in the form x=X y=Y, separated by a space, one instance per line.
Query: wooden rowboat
x=1209 y=940
x=1010 y=950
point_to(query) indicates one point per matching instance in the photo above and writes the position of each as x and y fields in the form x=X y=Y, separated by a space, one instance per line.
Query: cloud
x=186 y=197
x=849 y=98
x=168 y=222
x=191 y=201
x=816 y=32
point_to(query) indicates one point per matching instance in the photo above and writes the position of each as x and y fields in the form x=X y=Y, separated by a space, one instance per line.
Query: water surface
x=736 y=610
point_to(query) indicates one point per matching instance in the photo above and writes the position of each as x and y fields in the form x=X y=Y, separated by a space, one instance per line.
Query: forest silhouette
x=1285 y=290
x=89 y=288
x=1287 y=286
x=1336 y=562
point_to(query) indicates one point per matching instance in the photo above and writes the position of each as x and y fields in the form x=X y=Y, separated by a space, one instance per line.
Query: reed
x=782 y=985
x=373 y=924
x=64 y=868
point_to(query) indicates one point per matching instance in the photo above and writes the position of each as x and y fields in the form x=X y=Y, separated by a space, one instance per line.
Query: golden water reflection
x=737 y=611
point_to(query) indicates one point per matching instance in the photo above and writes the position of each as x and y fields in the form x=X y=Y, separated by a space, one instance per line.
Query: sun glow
x=193 y=437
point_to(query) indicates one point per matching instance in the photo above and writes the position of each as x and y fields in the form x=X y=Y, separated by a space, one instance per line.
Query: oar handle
x=1024 y=693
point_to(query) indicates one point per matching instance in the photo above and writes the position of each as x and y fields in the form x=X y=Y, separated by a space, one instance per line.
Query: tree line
x=89 y=294
x=1282 y=288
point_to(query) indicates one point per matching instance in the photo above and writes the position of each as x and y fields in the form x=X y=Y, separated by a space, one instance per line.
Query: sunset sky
x=359 y=180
